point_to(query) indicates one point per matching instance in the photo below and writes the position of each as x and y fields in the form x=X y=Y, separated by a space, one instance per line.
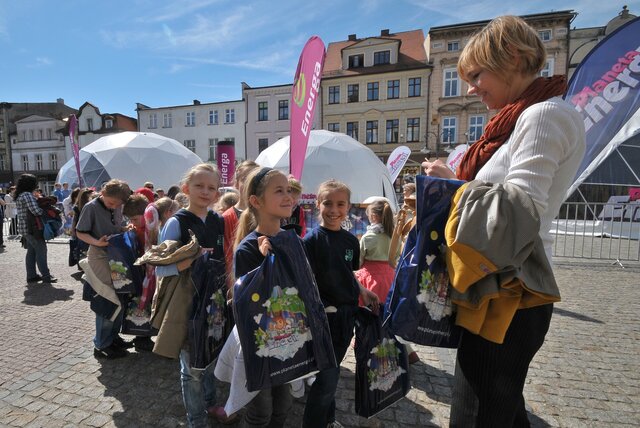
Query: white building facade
x=39 y=149
x=197 y=126
x=268 y=113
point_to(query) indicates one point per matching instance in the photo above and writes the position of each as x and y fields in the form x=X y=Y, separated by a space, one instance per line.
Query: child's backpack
x=51 y=220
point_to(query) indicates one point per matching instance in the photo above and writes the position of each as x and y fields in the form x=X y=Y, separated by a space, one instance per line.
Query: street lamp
x=446 y=136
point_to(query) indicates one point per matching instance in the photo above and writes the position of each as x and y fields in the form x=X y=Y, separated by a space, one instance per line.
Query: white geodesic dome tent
x=332 y=155
x=134 y=157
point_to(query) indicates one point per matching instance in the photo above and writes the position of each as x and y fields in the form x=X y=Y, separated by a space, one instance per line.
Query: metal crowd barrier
x=9 y=232
x=603 y=231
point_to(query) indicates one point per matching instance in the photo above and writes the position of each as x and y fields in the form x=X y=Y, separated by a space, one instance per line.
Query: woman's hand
x=264 y=245
x=437 y=168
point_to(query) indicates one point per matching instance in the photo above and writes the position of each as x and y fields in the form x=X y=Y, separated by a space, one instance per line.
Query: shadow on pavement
x=436 y=383
x=42 y=294
x=148 y=389
x=537 y=422
x=570 y=314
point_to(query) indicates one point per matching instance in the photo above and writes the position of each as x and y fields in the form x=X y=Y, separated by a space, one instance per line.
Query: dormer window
x=356 y=61
x=382 y=57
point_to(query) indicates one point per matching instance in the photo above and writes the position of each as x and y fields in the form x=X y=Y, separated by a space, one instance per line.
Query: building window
x=392 y=130
x=25 y=162
x=283 y=110
x=263 y=111
x=453 y=46
x=353 y=93
x=382 y=57
x=545 y=35
x=49 y=134
x=356 y=61
x=334 y=94
x=451 y=83
x=31 y=135
x=413 y=130
x=372 y=131
x=2 y=165
x=191 y=118
x=393 y=89
x=38 y=162
x=1 y=134
x=547 y=70
x=352 y=130
x=213 y=117
x=167 y=120
x=190 y=144
x=153 y=121
x=372 y=91
x=24 y=135
x=476 y=128
x=213 y=146
x=263 y=143
x=449 y=129
x=40 y=134
x=230 y=115
x=108 y=123
x=53 y=161
x=334 y=127
x=415 y=84
x=90 y=124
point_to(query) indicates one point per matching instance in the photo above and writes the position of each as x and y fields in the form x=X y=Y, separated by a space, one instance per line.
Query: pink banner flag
x=226 y=159
x=306 y=86
x=73 y=127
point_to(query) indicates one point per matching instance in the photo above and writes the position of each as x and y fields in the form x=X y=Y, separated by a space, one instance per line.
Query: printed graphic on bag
x=283 y=327
x=119 y=274
x=384 y=365
x=135 y=315
x=215 y=315
x=433 y=292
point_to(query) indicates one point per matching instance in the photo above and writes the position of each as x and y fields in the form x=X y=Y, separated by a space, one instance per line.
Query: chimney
x=60 y=100
x=352 y=37
x=384 y=32
x=196 y=102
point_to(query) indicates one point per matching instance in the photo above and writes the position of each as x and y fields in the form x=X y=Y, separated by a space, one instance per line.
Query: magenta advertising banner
x=306 y=87
x=75 y=148
x=226 y=158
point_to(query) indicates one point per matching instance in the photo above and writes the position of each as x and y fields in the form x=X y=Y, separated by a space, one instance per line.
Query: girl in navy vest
x=333 y=255
x=200 y=184
x=268 y=200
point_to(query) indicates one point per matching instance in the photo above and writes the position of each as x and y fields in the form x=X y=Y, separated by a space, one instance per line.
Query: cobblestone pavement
x=587 y=373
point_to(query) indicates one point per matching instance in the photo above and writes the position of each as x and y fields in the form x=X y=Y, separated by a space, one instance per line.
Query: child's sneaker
x=110 y=352
x=143 y=343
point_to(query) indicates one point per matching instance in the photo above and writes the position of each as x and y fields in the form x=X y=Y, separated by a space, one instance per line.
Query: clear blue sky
x=161 y=52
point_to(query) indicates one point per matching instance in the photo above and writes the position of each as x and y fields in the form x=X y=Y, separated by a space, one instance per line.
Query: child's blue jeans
x=198 y=391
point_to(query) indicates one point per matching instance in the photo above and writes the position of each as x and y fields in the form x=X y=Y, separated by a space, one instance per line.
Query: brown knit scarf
x=502 y=124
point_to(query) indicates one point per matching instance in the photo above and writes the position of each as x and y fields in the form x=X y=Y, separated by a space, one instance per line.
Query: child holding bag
x=200 y=184
x=333 y=255
x=268 y=200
